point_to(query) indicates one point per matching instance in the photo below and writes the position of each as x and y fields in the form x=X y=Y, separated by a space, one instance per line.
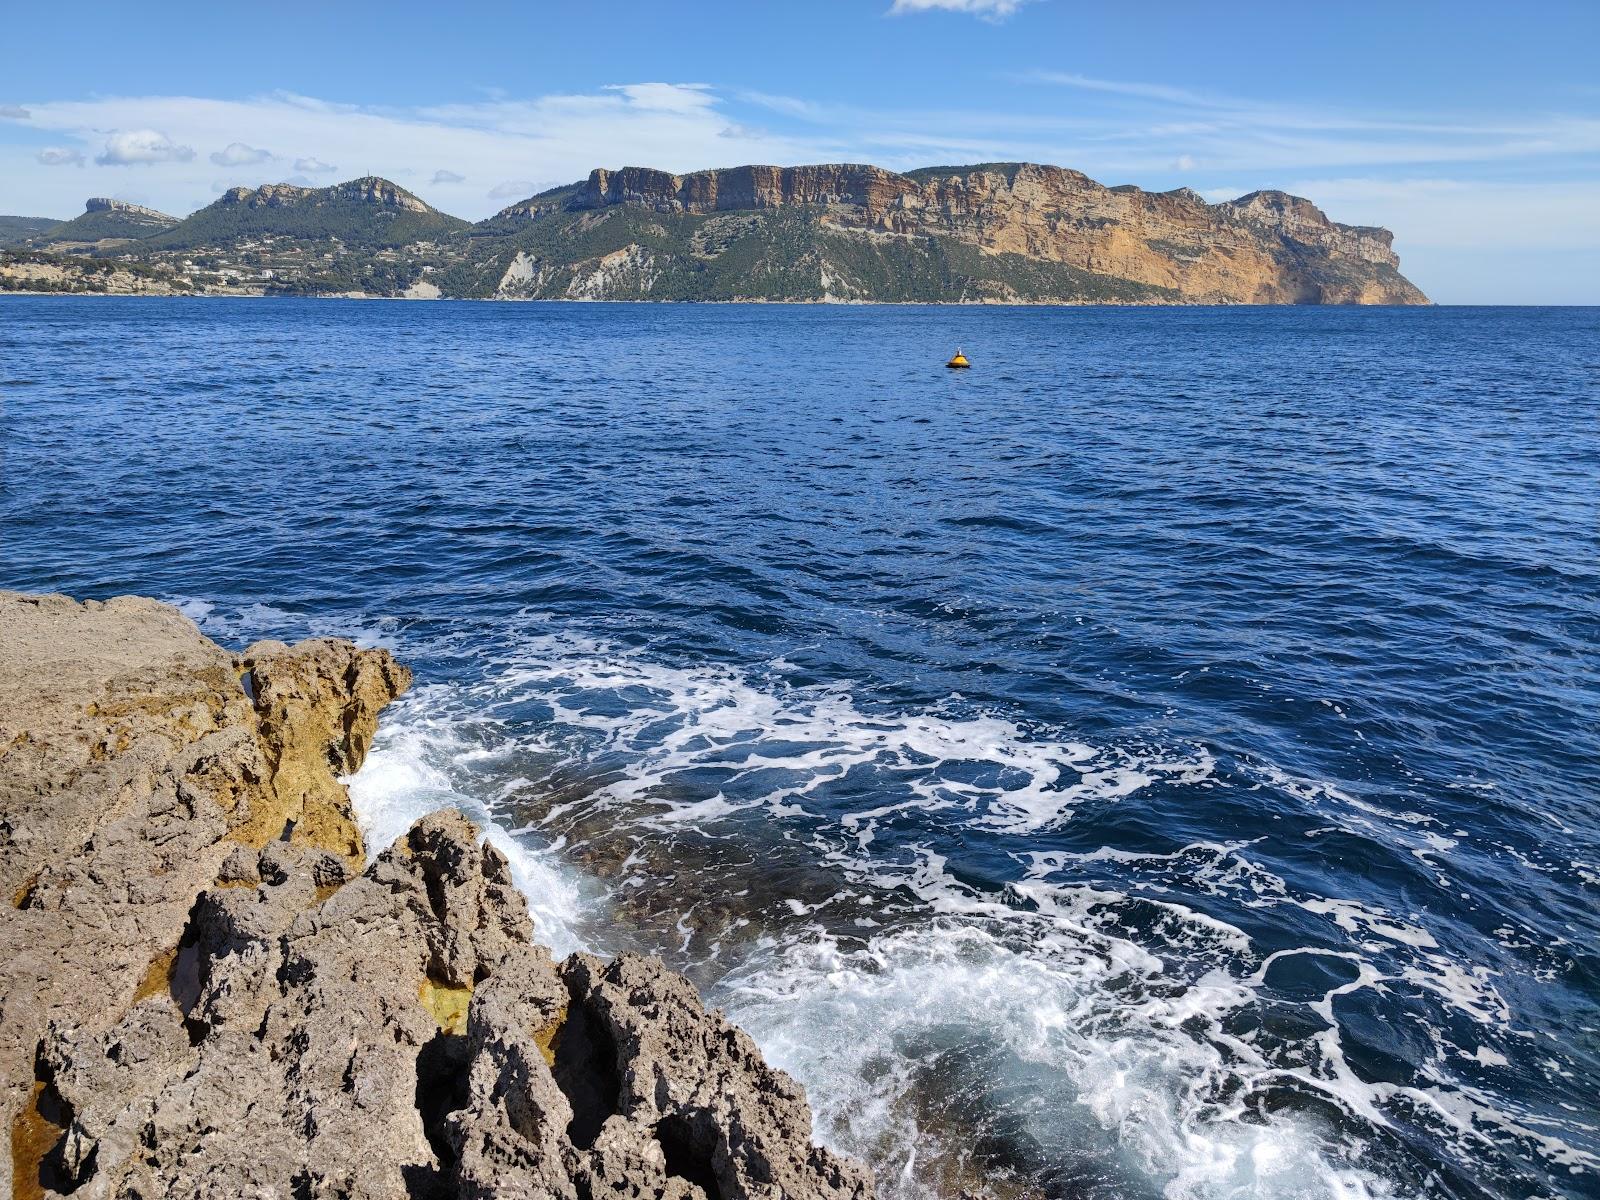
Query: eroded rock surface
x=206 y=996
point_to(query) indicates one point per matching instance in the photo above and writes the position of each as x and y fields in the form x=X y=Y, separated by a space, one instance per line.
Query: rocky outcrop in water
x=205 y=992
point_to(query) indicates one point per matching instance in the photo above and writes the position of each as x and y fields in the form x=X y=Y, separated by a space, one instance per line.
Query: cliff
x=207 y=990
x=996 y=232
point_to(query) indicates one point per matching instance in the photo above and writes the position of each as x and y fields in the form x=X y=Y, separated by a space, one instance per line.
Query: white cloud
x=989 y=10
x=1183 y=162
x=237 y=154
x=60 y=156
x=513 y=189
x=141 y=146
x=448 y=177
x=559 y=138
x=13 y=112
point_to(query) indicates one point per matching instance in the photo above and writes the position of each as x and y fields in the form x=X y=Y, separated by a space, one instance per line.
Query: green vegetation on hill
x=18 y=229
x=101 y=225
x=1008 y=169
x=316 y=215
x=789 y=253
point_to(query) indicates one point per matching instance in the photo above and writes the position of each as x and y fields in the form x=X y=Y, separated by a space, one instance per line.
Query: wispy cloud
x=60 y=156
x=989 y=10
x=1241 y=134
x=1145 y=91
x=513 y=189
x=448 y=177
x=313 y=166
x=13 y=112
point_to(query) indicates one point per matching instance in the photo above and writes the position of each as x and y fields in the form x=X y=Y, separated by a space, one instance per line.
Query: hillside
x=785 y=254
x=367 y=213
x=368 y=236
x=20 y=229
x=103 y=219
x=991 y=233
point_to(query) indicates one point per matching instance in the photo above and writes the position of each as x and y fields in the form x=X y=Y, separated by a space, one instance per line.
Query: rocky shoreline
x=207 y=991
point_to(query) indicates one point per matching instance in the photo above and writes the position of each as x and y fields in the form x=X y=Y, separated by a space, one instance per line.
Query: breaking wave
x=1071 y=1023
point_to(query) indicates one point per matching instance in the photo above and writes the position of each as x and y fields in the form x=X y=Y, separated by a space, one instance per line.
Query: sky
x=1470 y=129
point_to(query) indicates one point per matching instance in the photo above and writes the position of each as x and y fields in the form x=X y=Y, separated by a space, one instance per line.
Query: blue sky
x=1470 y=129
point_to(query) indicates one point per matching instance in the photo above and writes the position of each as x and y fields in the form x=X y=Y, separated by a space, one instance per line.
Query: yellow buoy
x=960 y=360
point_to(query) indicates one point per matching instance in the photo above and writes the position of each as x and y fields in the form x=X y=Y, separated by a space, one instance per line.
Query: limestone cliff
x=106 y=204
x=206 y=992
x=1020 y=218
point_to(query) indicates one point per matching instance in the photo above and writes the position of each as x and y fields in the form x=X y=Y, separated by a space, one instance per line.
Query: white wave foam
x=248 y=622
x=1088 y=1045
x=1078 y=1072
x=240 y=622
x=776 y=743
x=403 y=780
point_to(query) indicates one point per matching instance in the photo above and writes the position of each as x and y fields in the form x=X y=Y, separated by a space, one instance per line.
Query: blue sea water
x=1163 y=760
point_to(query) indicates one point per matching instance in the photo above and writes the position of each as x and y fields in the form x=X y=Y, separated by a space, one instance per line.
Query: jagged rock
x=404 y=1036
x=369 y=189
x=298 y=1029
x=131 y=760
x=317 y=706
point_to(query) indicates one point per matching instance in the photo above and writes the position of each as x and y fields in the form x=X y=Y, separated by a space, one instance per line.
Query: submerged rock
x=205 y=995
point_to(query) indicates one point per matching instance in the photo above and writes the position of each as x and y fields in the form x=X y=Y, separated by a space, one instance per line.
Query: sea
x=1160 y=761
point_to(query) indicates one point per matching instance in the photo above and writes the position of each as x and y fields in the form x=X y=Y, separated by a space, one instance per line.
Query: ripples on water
x=1161 y=760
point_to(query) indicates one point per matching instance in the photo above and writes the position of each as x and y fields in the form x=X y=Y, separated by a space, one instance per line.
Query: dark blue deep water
x=1162 y=760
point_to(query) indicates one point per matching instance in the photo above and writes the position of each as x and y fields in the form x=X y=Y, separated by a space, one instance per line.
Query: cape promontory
x=989 y=233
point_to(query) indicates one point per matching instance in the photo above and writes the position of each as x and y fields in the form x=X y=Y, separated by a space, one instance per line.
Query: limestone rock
x=131 y=759
x=106 y=204
x=317 y=706
x=405 y=1037
x=205 y=996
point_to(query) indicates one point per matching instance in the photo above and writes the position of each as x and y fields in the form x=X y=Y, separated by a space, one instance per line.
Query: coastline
x=729 y=303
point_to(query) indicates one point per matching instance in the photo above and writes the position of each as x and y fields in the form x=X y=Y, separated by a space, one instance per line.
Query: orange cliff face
x=1263 y=248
